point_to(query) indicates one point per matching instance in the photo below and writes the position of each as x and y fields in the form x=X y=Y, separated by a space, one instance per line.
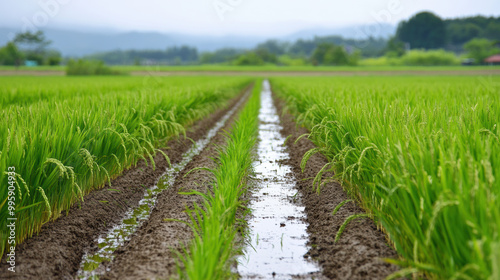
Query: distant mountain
x=78 y=43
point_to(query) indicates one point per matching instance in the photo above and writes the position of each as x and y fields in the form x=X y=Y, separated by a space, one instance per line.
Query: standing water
x=277 y=226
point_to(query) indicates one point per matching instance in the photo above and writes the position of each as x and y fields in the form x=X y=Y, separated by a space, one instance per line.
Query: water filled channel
x=278 y=234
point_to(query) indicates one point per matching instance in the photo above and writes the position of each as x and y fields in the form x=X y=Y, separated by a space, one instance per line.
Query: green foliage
x=429 y=58
x=424 y=30
x=89 y=67
x=266 y=55
x=170 y=56
x=53 y=58
x=219 y=56
x=11 y=55
x=77 y=133
x=32 y=42
x=461 y=30
x=274 y=47
x=479 y=49
x=249 y=58
x=420 y=154
x=292 y=61
x=395 y=48
x=371 y=47
x=330 y=54
x=416 y=58
x=34 y=47
x=259 y=56
x=209 y=256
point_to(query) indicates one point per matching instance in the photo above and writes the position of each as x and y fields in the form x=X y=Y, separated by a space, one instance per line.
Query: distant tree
x=219 y=56
x=479 y=49
x=35 y=41
x=33 y=44
x=273 y=46
x=336 y=55
x=266 y=55
x=461 y=30
x=11 y=55
x=492 y=31
x=331 y=54
x=395 y=48
x=459 y=33
x=52 y=58
x=184 y=53
x=172 y=55
x=249 y=58
x=318 y=56
x=303 y=47
x=424 y=30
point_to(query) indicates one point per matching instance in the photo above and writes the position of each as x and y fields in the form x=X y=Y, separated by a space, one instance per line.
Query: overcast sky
x=219 y=17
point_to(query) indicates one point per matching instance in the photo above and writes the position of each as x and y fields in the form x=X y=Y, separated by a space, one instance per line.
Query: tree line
x=478 y=37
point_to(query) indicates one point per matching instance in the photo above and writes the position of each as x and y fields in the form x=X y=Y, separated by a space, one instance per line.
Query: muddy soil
x=150 y=254
x=57 y=250
x=357 y=254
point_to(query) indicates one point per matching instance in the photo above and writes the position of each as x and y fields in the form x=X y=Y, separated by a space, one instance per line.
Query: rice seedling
x=420 y=155
x=210 y=253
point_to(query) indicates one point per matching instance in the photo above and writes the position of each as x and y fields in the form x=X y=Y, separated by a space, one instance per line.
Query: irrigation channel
x=93 y=264
x=277 y=224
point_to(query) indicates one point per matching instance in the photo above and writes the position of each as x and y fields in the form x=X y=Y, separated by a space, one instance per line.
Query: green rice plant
x=420 y=155
x=211 y=252
x=69 y=144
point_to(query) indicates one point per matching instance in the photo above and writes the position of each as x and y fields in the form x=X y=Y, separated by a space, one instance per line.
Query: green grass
x=68 y=136
x=275 y=68
x=27 y=90
x=421 y=155
x=270 y=68
x=37 y=68
x=210 y=254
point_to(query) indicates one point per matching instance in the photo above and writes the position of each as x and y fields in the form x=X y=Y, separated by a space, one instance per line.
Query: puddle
x=92 y=265
x=277 y=226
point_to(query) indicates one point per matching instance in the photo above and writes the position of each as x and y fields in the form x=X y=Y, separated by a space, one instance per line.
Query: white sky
x=242 y=17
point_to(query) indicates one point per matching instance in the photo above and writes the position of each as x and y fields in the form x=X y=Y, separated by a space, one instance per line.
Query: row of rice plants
x=421 y=155
x=20 y=90
x=61 y=150
x=210 y=253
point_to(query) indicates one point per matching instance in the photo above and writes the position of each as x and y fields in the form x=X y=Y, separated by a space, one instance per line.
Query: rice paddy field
x=130 y=177
x=421 y=156
x=67 y=138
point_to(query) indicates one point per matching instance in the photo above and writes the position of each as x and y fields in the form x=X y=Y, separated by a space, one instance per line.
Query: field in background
x=267 y=68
